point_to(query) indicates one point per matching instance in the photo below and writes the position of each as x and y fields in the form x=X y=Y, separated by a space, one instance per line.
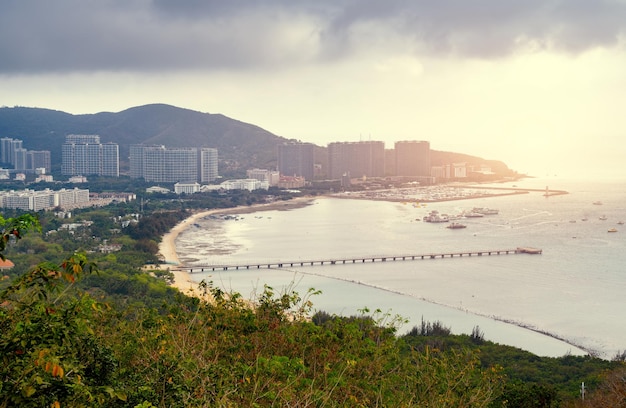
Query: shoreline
x=167 y=246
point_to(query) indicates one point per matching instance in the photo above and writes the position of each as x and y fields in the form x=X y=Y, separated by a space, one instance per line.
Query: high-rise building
x=413 y=158
x=164 y=165
x=207 y=163
x=357 y=159
x=84 y=155
x=39 y=159
x=297 y=159
x=9 y=146
x=20 y=162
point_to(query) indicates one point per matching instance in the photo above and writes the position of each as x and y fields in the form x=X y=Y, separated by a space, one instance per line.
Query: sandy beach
x=167 y=247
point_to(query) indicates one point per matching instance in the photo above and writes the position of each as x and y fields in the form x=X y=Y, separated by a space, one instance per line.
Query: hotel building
x=84 y=155
x=356 y=159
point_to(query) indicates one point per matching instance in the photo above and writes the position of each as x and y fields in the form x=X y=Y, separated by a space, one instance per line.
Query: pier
x=359 y=260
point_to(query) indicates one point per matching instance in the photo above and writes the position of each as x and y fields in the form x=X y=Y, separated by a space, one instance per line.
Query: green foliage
x=531 y=381
x=12 y=229
x=226 y=353
x=49 y=353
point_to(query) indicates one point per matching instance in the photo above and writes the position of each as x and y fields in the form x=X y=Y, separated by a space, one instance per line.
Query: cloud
x=163 y=35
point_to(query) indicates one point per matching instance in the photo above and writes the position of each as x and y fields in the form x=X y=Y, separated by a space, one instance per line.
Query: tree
x=49 y=355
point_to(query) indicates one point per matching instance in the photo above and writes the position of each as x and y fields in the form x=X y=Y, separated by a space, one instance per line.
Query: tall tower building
x=297 y=159
x=38 y=159
x=357 y=159
x=84 y=155
x=20 y=162
x=207 y=165
x=164 y=165
x=413 y=158
x=9 y=146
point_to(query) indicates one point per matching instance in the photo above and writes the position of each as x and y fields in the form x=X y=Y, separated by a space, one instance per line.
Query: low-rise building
x=186 y=188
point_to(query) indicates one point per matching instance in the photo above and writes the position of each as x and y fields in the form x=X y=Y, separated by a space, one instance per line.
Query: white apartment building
x=207 y=163
x=244 y=184
x=85 y=155
x=164 y=165
x=271 y=176
x=31 y=200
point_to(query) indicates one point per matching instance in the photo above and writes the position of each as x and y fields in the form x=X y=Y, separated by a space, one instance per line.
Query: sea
x=568 y=300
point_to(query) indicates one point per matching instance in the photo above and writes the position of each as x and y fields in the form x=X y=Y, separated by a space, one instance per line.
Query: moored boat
x=456 y=225
x=434 y=216
x=485 y=211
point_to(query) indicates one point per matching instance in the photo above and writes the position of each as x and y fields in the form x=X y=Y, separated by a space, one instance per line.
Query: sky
x=540 y=85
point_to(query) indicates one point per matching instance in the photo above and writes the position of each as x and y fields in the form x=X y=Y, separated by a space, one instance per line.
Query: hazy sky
x=538 y=84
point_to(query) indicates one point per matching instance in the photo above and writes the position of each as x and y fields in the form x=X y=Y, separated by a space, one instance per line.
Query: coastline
x=167 y=246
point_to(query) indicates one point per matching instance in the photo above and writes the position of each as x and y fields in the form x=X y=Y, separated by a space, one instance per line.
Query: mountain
x=240 y=145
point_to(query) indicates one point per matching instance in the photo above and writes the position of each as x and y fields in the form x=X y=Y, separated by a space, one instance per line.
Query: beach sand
x=167 y=247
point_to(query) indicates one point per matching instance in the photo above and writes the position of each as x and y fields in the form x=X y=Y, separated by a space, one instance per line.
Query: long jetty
x=369 y=259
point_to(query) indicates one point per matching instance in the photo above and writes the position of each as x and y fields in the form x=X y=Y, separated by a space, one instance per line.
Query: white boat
x=472 y=215
x=485 y=211
x=434 y=216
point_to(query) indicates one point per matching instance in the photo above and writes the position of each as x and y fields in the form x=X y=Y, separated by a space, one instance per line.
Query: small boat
x=597 y=203
x=472 y=215
x=456 y=225
x=485 y=211
x=602 y=218
x=620 y=222
x=612 y=230
x=434 y=216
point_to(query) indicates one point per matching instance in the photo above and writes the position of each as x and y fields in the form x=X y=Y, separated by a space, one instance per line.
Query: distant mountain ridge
x=240 y=145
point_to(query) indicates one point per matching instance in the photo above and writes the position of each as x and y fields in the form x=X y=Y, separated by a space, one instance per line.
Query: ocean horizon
x=568 y=300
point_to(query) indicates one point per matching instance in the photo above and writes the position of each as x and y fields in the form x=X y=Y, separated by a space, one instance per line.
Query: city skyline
x=536 y=85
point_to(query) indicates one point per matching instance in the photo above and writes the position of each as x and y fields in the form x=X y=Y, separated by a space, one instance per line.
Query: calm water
x=574 y=291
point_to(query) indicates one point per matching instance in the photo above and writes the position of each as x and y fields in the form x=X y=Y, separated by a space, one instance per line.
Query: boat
x=472 y=215
x=612 y=230
x=602 y=218
x=485 y=211
x=620 y=222
x=597 y=203
x=456 y=225
x=434 y=216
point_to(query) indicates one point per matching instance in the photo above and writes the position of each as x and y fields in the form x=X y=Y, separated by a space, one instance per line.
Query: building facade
x=8 y=147
x=164 y=165
x=272 y=177
x=31 y=200
x=413 y=158
x=207 y=165
x=356 y=159
x=84 y=155
x=297 y=159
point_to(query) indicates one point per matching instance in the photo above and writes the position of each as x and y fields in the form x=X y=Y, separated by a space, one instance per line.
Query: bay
x=569 y=299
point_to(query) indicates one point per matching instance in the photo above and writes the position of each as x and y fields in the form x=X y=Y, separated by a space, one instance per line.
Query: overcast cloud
x=39 y=36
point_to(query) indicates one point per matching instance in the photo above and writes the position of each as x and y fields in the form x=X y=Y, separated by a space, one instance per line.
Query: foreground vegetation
x=83 y=328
